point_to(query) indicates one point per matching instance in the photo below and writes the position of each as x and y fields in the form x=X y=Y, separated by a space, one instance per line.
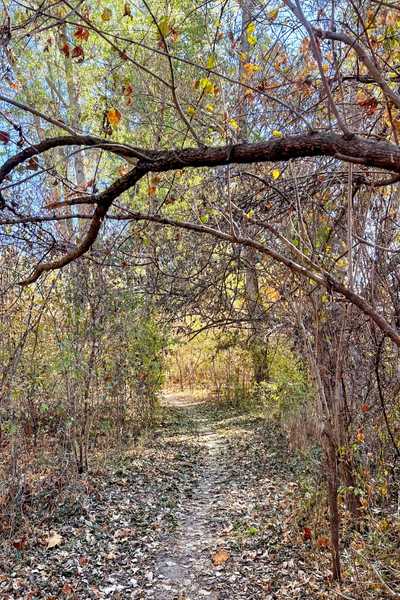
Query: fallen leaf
x=322 y=542
x=20 y=543
x=220 y=557
x=67 y=589
x=53 y=540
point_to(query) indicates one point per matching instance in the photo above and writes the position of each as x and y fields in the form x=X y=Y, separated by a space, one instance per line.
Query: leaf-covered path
x=203 y=509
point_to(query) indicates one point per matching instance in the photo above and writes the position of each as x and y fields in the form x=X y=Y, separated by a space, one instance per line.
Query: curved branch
x=103 y=201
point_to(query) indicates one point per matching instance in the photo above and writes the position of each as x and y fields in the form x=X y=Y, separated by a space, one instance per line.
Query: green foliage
x=287 y=391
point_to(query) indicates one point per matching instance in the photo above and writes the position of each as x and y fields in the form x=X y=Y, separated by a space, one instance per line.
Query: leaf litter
x=203 y=508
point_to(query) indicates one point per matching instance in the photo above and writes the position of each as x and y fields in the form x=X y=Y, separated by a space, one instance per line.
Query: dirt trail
x=183 y=570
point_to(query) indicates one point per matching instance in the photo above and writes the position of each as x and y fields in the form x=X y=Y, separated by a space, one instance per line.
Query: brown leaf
x=127 y=89
x=220 y=557
x=54 y=539
x=78 y=53
x=32 y=164
x=127 y=10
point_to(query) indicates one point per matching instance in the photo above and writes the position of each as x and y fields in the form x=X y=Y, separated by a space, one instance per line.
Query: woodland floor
x=202 y=508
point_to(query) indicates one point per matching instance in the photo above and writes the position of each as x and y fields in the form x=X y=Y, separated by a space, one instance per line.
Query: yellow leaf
x=250 y=30
x=211 y=61
x=276 y=133
x=113 y=116
x=106 y=14
x=164 y=26
x=220 y=557
x=54 y=539
x=233 y=123
x=272 y=294
x=191 y=110
x=210 y=107
x=275 y=174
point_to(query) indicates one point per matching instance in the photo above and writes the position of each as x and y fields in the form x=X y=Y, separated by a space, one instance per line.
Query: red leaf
x=20 y=543
x=81 y=34
x=364 y=408
x=4 y=137
x=78 y=53
x=307 y=534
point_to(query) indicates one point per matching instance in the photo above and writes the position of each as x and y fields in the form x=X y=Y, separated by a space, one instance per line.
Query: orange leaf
x=65 y=49
x=220 y=557
x=360 y=437
x=322 y=542
x=113 y=116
